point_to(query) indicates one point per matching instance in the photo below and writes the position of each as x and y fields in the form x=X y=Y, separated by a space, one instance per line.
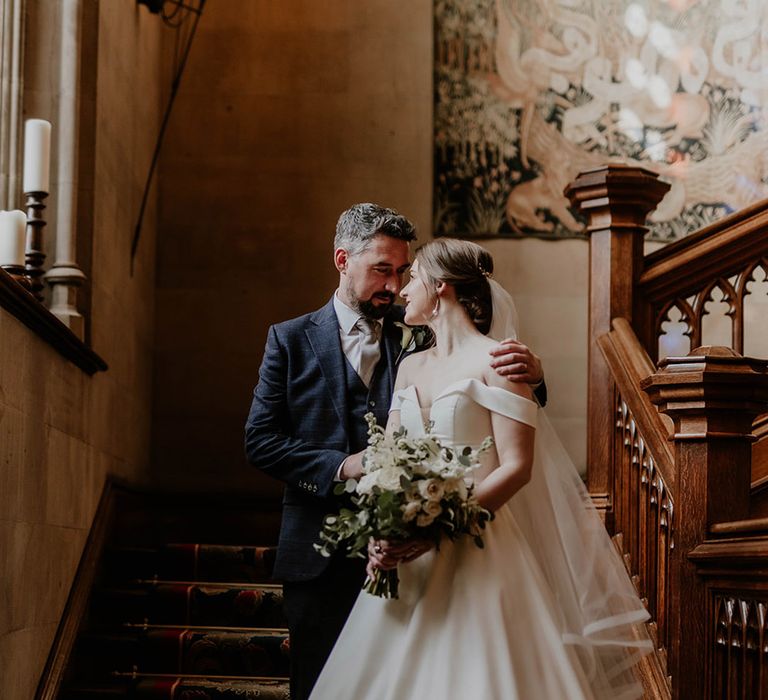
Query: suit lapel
x=392 y=336
x=323 y=337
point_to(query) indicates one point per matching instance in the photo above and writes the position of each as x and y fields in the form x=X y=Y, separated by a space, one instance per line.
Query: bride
x=545 y=609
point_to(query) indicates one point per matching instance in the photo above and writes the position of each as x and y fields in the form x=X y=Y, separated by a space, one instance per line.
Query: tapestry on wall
x=528 y=93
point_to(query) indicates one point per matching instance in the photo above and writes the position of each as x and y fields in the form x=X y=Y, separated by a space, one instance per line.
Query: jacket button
x=371 y=403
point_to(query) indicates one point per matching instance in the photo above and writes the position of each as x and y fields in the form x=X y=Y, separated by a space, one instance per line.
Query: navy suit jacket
x=297 y=429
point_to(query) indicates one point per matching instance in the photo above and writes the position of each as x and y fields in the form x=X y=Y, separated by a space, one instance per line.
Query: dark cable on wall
x=156 y=6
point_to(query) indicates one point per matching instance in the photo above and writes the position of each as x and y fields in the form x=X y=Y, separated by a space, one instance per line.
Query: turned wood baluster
x=616 y=200
x=35 y=255
x=712 y=395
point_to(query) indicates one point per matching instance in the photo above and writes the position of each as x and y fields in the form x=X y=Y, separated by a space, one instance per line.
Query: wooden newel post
x=713 y=395
x=616 y=200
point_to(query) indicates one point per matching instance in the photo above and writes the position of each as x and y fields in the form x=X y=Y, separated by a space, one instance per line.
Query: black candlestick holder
x=35 y=256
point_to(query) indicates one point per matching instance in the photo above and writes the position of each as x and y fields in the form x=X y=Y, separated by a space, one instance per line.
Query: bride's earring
x=436 y=310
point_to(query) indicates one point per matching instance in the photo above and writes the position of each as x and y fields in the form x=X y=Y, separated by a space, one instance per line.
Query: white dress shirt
x=349 y=333
x=350 y=341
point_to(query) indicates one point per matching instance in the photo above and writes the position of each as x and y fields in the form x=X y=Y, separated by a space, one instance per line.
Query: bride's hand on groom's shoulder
x=515 y=361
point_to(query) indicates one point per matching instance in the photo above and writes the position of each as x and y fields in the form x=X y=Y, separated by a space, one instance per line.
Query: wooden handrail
x=77 y=601
x=716 y=250
x=19 y=302
x=760 y=427
x=740 y=527
x=629 y=364
x=642 y=496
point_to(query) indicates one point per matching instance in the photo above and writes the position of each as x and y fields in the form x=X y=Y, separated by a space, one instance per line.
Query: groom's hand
x=352 y=468
x=515 y=361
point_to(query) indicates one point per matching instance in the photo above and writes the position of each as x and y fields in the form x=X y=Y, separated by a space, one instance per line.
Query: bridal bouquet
x=411 y=488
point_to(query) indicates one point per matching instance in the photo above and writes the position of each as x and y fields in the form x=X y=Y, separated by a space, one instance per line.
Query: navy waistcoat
x=362 y=399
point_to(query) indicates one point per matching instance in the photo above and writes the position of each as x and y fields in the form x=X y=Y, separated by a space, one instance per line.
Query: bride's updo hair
x=466 y=266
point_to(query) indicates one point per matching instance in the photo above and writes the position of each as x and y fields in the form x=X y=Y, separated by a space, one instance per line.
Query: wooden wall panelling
x=735 y=574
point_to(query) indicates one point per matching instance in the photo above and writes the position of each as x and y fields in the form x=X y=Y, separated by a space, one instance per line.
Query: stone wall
x=61 y=431
x=289 y=112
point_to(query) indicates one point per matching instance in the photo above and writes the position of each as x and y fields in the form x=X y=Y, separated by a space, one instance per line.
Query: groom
x=320 y=375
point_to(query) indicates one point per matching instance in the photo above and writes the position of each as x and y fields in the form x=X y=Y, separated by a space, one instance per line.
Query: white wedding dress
x=544 y=611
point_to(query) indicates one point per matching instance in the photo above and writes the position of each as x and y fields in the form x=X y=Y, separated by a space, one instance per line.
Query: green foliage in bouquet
x=411 y=488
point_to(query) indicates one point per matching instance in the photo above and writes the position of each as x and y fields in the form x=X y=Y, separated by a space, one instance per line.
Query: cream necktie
x=370 y=351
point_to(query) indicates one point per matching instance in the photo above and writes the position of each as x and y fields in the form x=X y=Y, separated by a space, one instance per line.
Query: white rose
x=431 y=489
x=433 y=508
x=452 y=471
x=389 y=478
x=411 y=510
x=367 y=482
x=385 y=457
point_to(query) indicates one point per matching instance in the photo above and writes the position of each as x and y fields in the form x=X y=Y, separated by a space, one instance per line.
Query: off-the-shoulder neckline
x=460 y=385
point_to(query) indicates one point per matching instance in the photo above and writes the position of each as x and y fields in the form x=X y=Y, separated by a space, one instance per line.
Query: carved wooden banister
x=644 y=480
x=629 y=364
x=706 y=254
x=713 y=396
x=616 y=200
x=684 y=274
x=734 y=574
x=692 y=514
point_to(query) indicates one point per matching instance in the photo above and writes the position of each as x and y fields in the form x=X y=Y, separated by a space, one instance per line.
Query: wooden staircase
x=172 y=597
x=678 y=447
x=180 y=604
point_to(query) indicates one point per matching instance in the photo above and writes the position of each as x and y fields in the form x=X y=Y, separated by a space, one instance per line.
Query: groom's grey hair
x=361 y=222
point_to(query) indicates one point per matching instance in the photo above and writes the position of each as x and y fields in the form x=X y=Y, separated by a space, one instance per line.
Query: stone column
x=65 y=276
x=12 y=14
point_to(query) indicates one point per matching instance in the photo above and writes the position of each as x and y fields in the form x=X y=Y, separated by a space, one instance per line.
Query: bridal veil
x=601 y=613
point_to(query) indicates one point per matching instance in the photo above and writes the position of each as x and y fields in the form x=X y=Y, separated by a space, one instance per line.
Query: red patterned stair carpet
x=182 y=622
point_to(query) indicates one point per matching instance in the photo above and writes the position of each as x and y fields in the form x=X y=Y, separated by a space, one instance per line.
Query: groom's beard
x=370 y=310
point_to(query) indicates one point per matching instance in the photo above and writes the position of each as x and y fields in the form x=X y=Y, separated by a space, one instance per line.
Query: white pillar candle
x=37 y=155
x=13 y=226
